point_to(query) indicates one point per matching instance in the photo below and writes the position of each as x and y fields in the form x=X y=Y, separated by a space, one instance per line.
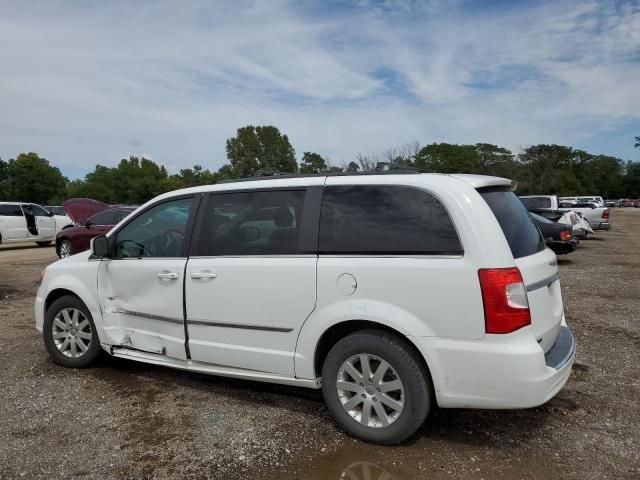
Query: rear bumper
x=498 y=371
x=602 y=226
x=560 y=247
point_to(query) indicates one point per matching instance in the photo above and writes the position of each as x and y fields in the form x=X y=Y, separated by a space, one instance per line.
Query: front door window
x=159 y=232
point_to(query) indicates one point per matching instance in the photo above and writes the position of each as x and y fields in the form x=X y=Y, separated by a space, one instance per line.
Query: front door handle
x=168 y=275
x=203 y=274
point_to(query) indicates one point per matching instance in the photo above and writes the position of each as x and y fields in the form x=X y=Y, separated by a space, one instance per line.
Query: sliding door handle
x=202 y=275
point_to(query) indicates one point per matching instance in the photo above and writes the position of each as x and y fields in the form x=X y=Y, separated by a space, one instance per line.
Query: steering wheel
x=124 y=251
x=170 y=237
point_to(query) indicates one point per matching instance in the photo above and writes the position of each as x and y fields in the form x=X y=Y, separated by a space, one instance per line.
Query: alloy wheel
x=65 y=249
x=370 y=390
x=71 y=331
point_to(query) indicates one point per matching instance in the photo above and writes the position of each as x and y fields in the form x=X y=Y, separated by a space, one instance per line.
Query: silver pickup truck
x=598 y=217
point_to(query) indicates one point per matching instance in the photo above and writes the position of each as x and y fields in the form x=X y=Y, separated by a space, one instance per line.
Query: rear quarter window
x=519 y=229
x=391 y=220
x=10 y=211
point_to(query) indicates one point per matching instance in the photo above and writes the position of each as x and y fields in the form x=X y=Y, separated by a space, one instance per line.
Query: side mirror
x=100 y=246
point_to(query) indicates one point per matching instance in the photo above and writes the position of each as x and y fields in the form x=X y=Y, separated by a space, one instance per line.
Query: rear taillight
x=504 y=297
x=605 y=213
x=565 y=235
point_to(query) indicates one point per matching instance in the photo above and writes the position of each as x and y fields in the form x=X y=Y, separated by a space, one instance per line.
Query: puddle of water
x=353 y=462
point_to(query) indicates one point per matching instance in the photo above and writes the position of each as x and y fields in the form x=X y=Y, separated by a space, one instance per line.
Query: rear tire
x=69 y=333
x=384 y=408
x=43 y=244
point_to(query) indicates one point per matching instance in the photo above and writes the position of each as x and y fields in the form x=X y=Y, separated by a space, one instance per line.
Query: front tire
x=69 y=333
x=66 y=249
x=375 y=387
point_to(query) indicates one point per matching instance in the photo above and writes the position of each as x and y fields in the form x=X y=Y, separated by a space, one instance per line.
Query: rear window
x=10 y=211
x=387 y=220
x=536 y=202
x=519 y=229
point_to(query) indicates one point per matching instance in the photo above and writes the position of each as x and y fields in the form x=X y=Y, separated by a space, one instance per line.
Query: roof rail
x=275 y=176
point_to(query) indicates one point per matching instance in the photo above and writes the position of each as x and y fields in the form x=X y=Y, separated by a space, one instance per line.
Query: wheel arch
x=57 y=293
x=338 y=331
x=63 y=285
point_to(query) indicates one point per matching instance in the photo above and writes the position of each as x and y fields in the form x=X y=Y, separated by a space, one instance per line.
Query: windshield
x=519 y=229
x=541 y=219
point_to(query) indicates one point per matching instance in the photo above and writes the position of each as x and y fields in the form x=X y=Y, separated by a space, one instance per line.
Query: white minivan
x=392 y=292
x=26 y=222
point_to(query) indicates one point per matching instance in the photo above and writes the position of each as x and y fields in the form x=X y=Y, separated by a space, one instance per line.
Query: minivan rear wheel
x=375 y=387
x=69 y=333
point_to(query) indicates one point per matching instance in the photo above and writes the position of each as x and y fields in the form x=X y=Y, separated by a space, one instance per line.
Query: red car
x=91 y=218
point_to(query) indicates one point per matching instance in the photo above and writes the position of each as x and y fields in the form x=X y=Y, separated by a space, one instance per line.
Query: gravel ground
x=128 y=420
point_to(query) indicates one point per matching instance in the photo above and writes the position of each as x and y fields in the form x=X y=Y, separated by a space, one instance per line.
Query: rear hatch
x=536 y=263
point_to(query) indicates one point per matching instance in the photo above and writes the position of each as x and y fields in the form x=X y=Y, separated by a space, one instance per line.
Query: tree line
x=264 y=150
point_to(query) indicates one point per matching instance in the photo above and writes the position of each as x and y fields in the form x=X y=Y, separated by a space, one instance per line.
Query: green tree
x=448 y=158
x=631 y=180
x=352 y=167
x=550 y=169
x=135 y=180
x=4 y=180
x=260 y=149
x=313 y=163
x=30 y=178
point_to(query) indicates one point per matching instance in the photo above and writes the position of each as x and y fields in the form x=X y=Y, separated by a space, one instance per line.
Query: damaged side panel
x=142 y=304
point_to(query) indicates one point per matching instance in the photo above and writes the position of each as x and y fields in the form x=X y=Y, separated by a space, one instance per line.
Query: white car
x=24 y=222
x=581 y=228
x=391 y=292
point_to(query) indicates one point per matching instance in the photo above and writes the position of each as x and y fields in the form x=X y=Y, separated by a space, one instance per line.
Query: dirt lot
x=127 y=420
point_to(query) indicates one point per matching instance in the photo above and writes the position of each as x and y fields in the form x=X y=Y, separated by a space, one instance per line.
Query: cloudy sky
x=91 y=82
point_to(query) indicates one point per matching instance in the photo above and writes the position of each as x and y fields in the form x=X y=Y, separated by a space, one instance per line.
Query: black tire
x=418 y=392
x=93 y=350
x=43 y=244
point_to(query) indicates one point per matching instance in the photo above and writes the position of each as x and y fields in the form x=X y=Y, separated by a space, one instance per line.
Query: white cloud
x=94 y=83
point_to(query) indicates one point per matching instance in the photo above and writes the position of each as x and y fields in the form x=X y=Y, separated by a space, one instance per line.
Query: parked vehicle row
x=392 y=293
x=23 y=222
x=597 y=216
x=623 y=202
x=91 y=218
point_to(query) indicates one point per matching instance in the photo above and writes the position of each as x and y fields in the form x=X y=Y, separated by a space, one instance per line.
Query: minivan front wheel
x=70 y=334
x=375 y=387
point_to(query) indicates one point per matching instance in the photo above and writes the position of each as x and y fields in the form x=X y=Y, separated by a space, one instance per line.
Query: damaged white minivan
x=392 y=292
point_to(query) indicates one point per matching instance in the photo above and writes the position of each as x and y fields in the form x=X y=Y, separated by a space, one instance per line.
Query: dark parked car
x=76 y=239
x=557 y=235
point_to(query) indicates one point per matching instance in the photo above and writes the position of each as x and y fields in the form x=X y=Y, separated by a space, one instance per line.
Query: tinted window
x=536 y=202
x=519 y=229
x=157 y=232
x=103 y=218
x=56 y=210
x=541 y=219
x=37 y=210
x=385 y=220
x=252 y=223
x=10 y=211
